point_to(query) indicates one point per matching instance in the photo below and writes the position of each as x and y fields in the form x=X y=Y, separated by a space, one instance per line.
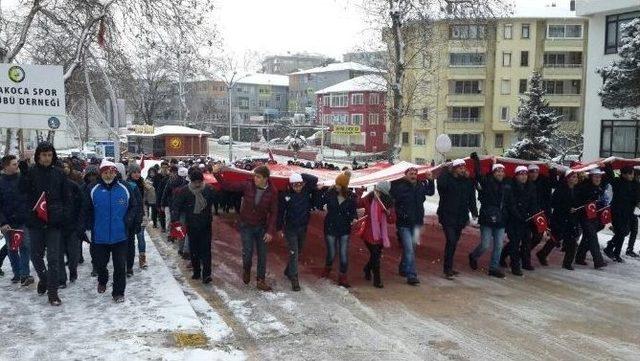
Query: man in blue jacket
x=111 y=211
x=293 y=218
x=409 y=195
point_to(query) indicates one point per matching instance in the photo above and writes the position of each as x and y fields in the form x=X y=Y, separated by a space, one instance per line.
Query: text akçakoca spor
x=16 y=95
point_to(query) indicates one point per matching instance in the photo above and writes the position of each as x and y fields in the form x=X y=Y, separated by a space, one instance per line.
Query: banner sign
x=346 y=130
x=32 y=97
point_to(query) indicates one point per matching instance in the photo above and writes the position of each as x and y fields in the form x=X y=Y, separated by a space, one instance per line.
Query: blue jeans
x=20 y=259
x=295 y=241
x=489 y=235
x=142 y=244
x=253 y=236
x=343 y=248
x=407 y=236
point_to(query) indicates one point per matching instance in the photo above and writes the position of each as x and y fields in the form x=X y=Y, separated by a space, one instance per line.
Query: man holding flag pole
x=591 y=196
x=625 y=199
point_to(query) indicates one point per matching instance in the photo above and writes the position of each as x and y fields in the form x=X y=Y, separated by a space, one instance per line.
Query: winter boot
x=367 y=272
x=342 y=280
x=102 y=288
x=377 y=281
x=129 y=273
x=295 y=285
x=473 y=263
x=26 y=281
x=73 y=276
x=42 y=287
x=542 y=259
x=326 y=272
x=54 y=300
x=262 y=285
x=94 y=273
x=15 y=279
x=118 y=298
x=246 y=276
x=142 y=260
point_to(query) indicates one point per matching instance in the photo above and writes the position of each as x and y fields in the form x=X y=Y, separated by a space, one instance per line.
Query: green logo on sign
x=16 y=74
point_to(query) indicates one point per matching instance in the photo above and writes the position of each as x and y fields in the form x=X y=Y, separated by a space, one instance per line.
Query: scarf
x=379 y=223
x=200 y=202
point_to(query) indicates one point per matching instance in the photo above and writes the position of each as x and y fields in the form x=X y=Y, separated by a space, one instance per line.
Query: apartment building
x=473 y=80
x=606 y=134
x=360 y=104
x=285 y=64
x=260 y=97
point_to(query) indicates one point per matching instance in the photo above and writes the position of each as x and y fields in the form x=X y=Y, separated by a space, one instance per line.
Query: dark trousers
x=633 y=234
x=253 y=237
x=518 y=241
x=549 y=246
x=620 y=232
x=589 y=243
x=570 y=245
x=68 y=246
x=46 y=239
x=375 y=253
x=162 y=218
x=295 y=241
x=4 y=251
x=154 y=215
x=200 y=247
x=118 y=252
x=452 y=236
x=533 y=241
x=131 y=250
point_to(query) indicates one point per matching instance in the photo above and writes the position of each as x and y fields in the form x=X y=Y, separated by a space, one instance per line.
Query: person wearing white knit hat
x=294 y=211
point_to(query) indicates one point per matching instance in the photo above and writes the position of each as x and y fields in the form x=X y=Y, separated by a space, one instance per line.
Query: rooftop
x=339 y=67
x=555 y=9
x=265 y=79
x=361 y=83
x=172 y=130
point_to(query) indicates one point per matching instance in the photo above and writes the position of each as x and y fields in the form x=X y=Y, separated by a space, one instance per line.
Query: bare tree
x=409 y=35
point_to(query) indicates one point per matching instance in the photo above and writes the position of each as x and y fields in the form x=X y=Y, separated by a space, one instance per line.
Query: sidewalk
x=90 y=326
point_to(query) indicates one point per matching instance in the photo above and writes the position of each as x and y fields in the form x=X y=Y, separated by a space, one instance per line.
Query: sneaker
x=54 y=300
x=632 y=254
x=246 y=277
x=102 y=288
x=118 y=299
x=26 y=281
x=473 y=263
x=42 y=288
x=129 y=273
x=413 y=281
x=609 y=253
x=15 y=279
x=207 y=280
x=517 y=272
x=542 y=259
x=496 y=273
x=263 y=286
x=618 y=259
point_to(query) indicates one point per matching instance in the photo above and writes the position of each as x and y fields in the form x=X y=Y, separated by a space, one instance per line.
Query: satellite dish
x=443 y=144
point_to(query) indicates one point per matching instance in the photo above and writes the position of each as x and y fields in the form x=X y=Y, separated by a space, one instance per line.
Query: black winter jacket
x=294 y=209
x=74 y=210
x=172 y=185
x=409 y=201
x=339 y=216
x=183 y=203
x=564 y=223
x=457 y=199
x=51 y=180
x=13 y=205
x=522 y=204
x=493 y=196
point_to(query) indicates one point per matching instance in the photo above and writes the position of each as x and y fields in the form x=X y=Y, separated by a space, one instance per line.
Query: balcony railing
x=465 y=120
x=562 y=65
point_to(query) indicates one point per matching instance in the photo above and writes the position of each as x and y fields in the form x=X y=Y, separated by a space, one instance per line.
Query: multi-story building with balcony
x=476 y=76
x=605 y=133
x=285 y=64
x=360 y=104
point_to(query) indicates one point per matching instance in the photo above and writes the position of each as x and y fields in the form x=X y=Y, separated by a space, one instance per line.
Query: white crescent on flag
x=16 y=237
x=43 y=206
x=540 y=220
x=592 y=207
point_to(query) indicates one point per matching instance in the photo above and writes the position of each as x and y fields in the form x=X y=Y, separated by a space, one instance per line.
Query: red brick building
x=169 y=141
x=355 y=113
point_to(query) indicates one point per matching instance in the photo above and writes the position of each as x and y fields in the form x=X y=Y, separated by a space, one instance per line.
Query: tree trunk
x=7 y=142
x=395 y=111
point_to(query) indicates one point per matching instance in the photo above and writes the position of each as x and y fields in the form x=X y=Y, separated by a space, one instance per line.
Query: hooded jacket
x=457 y=199
x=294 y=209
x=111 y=211
x=409 y=201
x=51 y=180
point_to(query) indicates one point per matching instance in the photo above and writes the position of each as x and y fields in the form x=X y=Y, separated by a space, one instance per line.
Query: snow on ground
x=89 y=325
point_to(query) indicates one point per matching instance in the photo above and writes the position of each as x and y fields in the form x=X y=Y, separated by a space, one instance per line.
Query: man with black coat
x=521 y=205
x=591 y=190
x=70 y=241
x=493 y=192
x=543 y=186
x=294 y=210
x=409 y=195
x=45 y=178
x=457 y=199
x=625 y=199
x=194 y=201
x=159 y=184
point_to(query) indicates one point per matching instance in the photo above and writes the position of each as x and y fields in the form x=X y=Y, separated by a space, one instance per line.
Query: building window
x=505 y=86
x=467 y=31
x=560 y=87
x=499 y=141
x=504 y=114
x=243 y=103
x=425 y=114
x=571 y=59
x=465 y=140
x=325 y=100
x=356 y=119
x=564 y=31
x=612 y=31
x=506 y=59
x=526 y=29
x=326 y=119
x=569 y=114
x=374 y=98
x=278 y=98
x=374 y=119
x=524 y=58
x=507 y=31
x=465 y=114
x=466 y=59
x=466 y=87
x=341 y=119
x=522 y=87
x=357 y=99
x=405 y=138
x=419 y=138
x=619 y=138
x=339 y=100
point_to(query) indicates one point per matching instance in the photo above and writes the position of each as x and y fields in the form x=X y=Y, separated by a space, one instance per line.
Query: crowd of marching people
x=49 y=208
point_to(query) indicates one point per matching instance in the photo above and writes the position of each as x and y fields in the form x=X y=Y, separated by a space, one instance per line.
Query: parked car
x=225 y=139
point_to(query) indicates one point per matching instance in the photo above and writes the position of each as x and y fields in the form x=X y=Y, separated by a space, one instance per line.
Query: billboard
x=32 y=97
x=346 y=129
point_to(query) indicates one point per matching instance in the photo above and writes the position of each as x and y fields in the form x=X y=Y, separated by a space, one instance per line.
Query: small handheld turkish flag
x=271 y=155
x=540 y=222
x=17 y=235
x=605 y=215
x=142 y=162
x=41 y=208
x=591 y=212
x=177 y=230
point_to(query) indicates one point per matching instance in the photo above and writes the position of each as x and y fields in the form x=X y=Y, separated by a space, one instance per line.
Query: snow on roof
x=265 y=79
x=339 y=67
x=172 y=130
x=362 y=83
x=543 y=9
